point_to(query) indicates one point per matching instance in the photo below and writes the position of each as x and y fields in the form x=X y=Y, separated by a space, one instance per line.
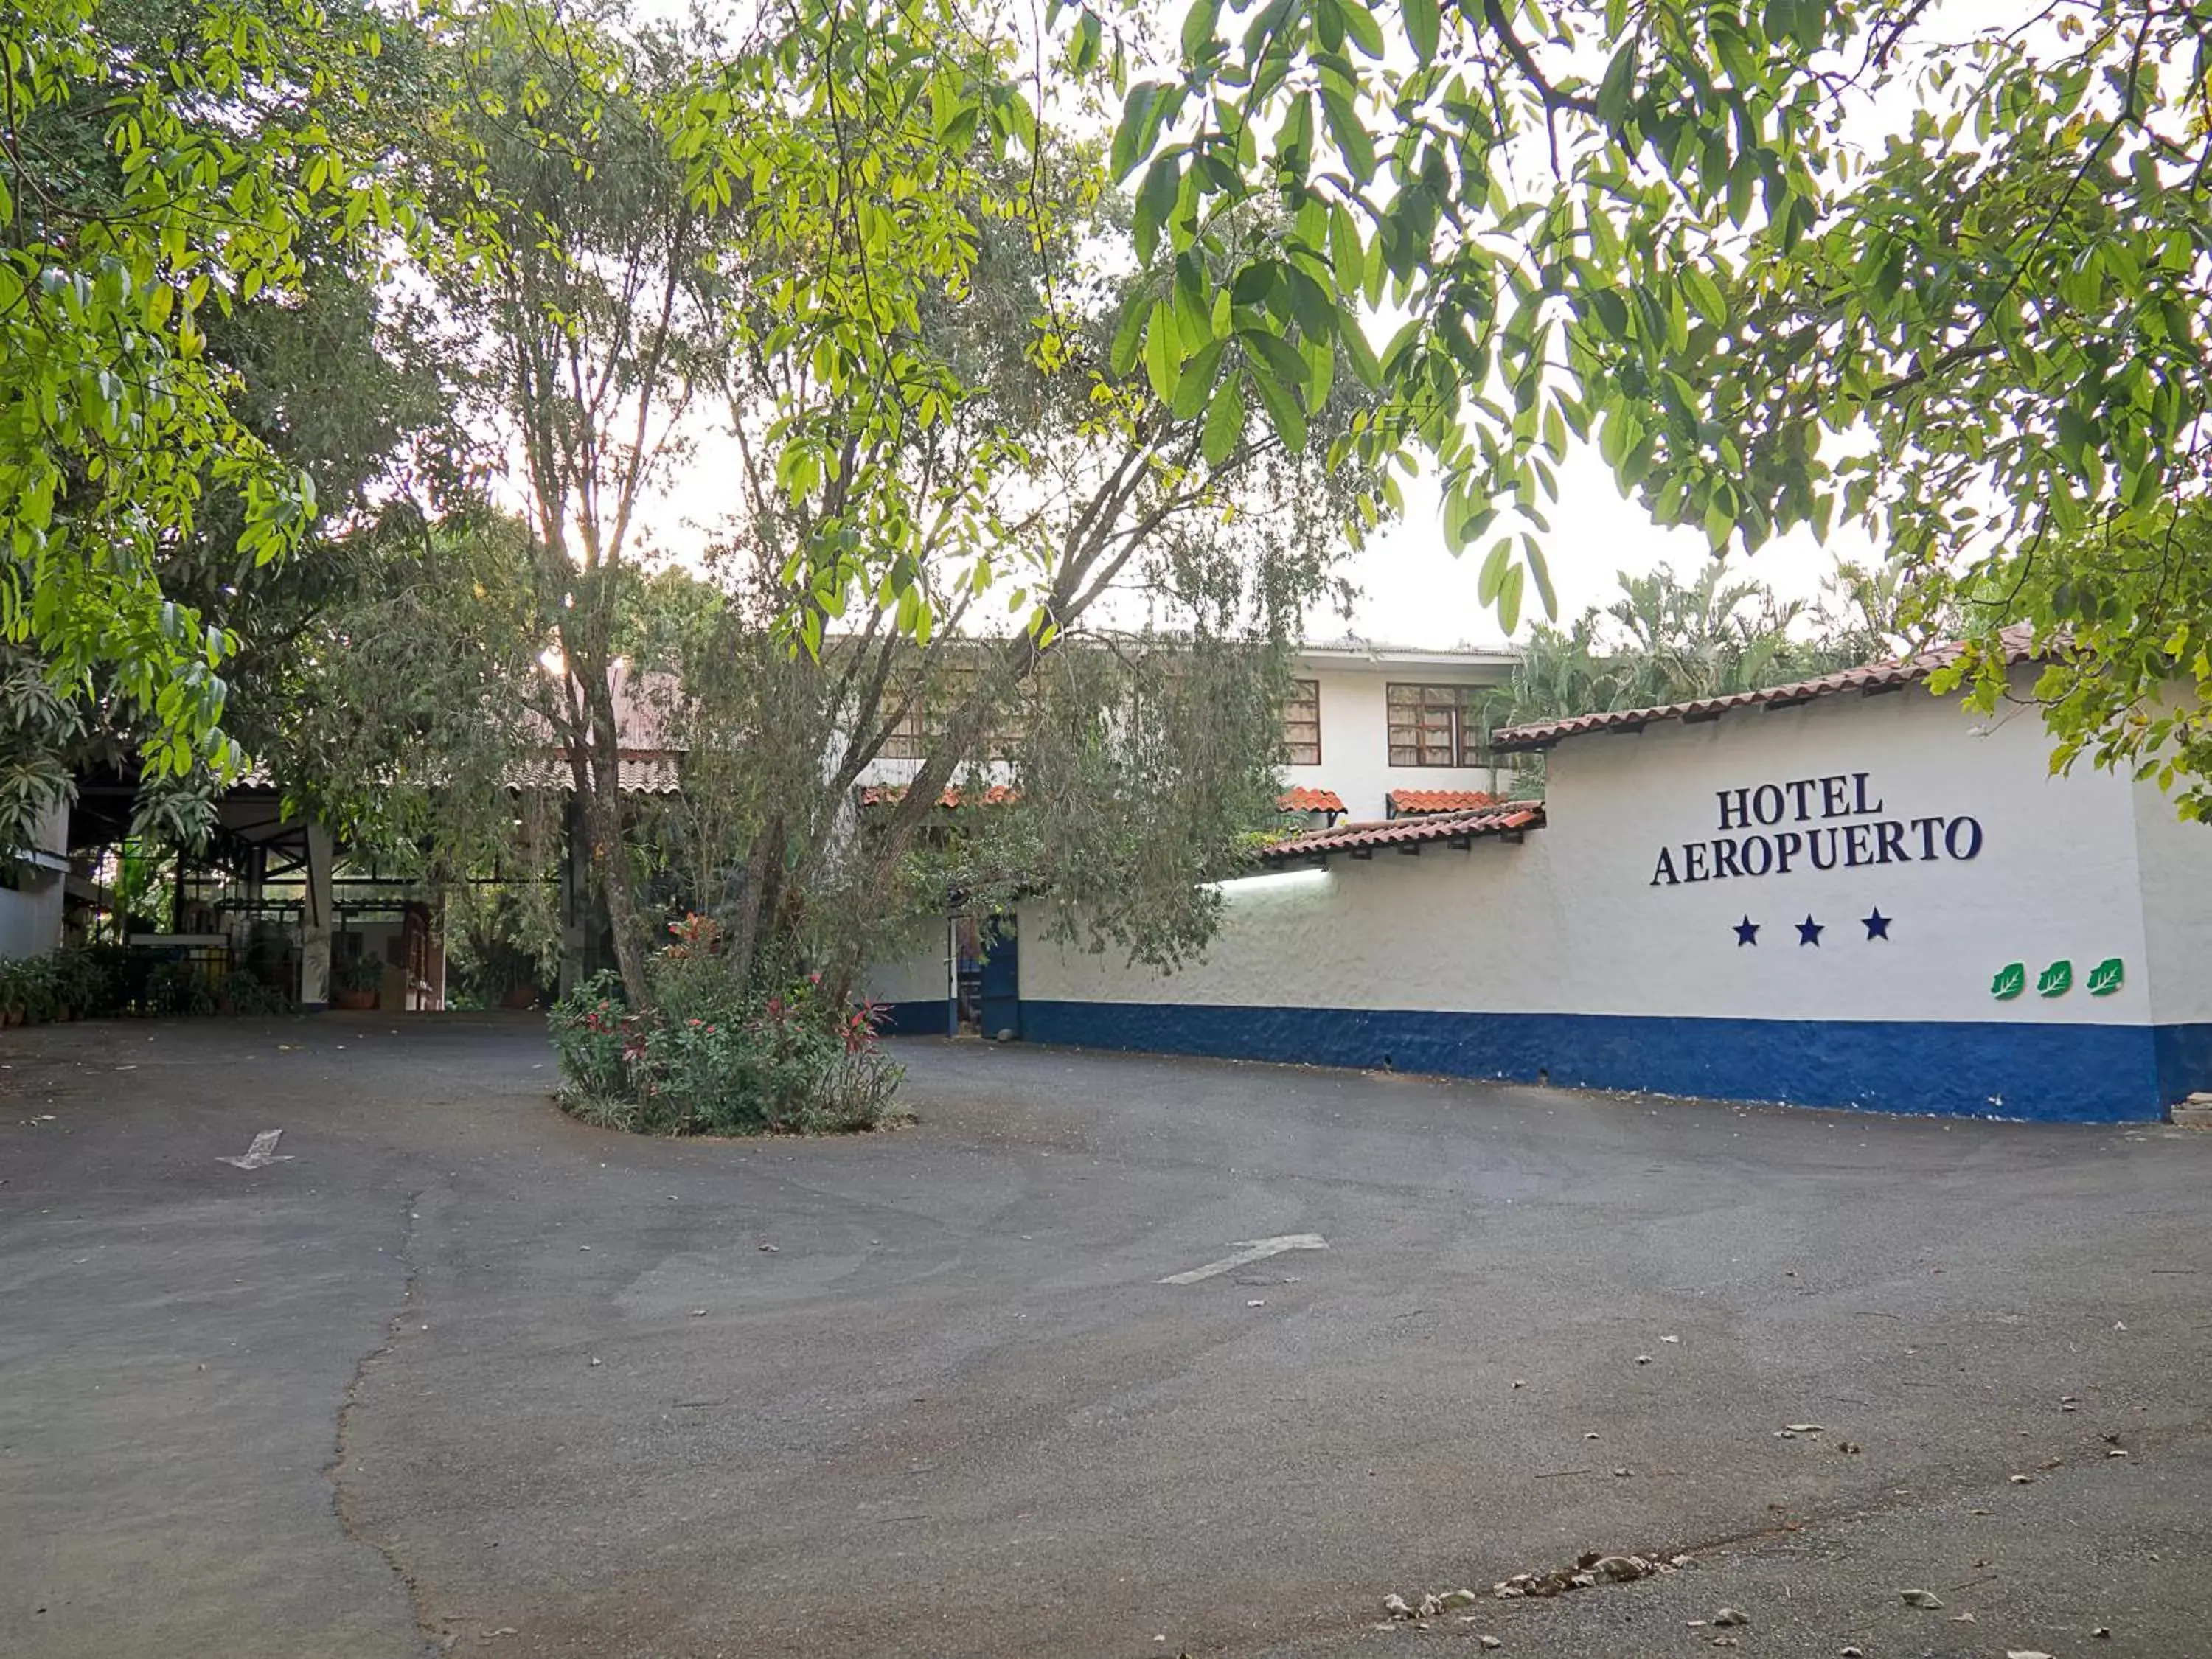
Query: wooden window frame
x=1459 y=705
x=1292 y=745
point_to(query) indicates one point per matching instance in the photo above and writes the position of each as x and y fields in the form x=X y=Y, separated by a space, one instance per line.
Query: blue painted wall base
x=2053 y=1073
x=931 y=1018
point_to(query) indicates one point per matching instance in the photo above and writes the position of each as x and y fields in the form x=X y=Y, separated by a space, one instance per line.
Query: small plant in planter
x=356 y=981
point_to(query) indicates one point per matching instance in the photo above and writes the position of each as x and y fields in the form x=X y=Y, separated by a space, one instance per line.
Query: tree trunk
x=598 y=775
x=603 y=817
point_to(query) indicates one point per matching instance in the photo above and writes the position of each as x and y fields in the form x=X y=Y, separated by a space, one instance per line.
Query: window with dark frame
x=1301 y=724
x=923 y=721
x=1436 y=725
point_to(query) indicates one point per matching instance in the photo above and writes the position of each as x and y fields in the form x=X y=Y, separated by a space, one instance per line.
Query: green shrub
x=244 y=994
x=179 y=988
x=709 y=1058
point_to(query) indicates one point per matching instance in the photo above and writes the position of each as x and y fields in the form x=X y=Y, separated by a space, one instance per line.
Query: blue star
x=1746 y=932
x=1877 y=925
x=1809 y=931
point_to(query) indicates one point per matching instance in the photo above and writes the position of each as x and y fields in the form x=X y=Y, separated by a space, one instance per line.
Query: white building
x=1370 y=731
x=1841 y=893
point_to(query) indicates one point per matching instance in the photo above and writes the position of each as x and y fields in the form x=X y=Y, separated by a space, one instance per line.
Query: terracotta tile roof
x=1505 y=818
x=1411 y=803
x=889 y=794
x=1888 y=676
x=1299 y=799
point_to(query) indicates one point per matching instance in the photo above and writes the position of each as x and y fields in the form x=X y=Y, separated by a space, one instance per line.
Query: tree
x=2124 y=614
x=158 y=167
x=997 y=454
x=1668 y=641
x=1656 y=223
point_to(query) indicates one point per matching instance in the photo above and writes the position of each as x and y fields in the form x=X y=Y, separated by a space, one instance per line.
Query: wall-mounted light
x=1269 y=881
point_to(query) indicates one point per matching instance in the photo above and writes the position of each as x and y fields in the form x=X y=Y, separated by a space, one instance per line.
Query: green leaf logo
x=2011 y=981
x=2106 y=977
x=2056 y=979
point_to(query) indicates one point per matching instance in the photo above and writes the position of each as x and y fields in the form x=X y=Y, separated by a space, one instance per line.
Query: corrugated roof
x=1504 y=818
x=635 y=774
x=1889 y=676
x=1411 y=803
x=1300 y=798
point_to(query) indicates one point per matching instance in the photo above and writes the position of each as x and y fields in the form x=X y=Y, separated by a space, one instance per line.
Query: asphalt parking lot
x=456 y=1373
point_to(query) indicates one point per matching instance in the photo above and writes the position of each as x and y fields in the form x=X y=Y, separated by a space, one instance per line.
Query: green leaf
x=1083 y=50
x=2056 y=979
x=2011 y=981
x=1225 y=423
x=1155 y=199
x=1359 y=22
x=1509 y=600
x=1705 y=295
x=1491 y=582
x=1198 y=28
x=1347 y=258
x=1351 y=134
x=1423 y=19
x=1280 y=356
x=1282 y=407
x=1353 y=338
x=2105 y=977
x=1540 y=571
x=1163 y=351
x=1129 y=339
x=1195 y=384
x=1131 y=139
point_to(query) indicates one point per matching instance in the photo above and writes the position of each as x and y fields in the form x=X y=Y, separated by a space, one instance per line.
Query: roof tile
x=1410 y=803
x=1503 y=818
x=1300 y=798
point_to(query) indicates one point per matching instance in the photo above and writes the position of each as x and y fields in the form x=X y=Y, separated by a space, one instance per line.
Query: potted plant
x=356 y=981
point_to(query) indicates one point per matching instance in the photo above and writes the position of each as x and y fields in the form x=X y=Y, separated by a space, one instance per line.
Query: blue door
x=1001 y=991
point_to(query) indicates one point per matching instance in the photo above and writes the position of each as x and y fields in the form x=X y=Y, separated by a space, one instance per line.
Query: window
x=928 y=711
x=1436 y=725
x=908 y=740
x=1301 y=724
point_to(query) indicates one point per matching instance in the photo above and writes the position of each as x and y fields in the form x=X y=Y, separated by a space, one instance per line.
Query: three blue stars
x=1809 y=931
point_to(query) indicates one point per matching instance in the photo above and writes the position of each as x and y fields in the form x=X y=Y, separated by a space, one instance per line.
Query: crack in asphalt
x=436 y=1640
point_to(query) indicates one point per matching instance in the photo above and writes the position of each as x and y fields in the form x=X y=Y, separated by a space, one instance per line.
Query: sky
x=1417 y=593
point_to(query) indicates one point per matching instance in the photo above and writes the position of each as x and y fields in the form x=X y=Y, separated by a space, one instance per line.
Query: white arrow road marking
x=1250 y=1250
x=261 y=1154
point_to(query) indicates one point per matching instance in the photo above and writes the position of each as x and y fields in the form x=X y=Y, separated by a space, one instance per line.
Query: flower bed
x=708 y=1058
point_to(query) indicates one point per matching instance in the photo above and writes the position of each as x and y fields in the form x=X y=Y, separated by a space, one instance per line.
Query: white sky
x=1417 y=593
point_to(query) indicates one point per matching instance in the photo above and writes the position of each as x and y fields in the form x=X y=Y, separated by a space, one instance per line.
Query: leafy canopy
x=1698 y=232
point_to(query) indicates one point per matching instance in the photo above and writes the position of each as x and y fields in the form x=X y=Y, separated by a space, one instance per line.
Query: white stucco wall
x=1571 y=921
x=2176 y=862
x=1447 y=929
x=912 y=969
x=2056 y=875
